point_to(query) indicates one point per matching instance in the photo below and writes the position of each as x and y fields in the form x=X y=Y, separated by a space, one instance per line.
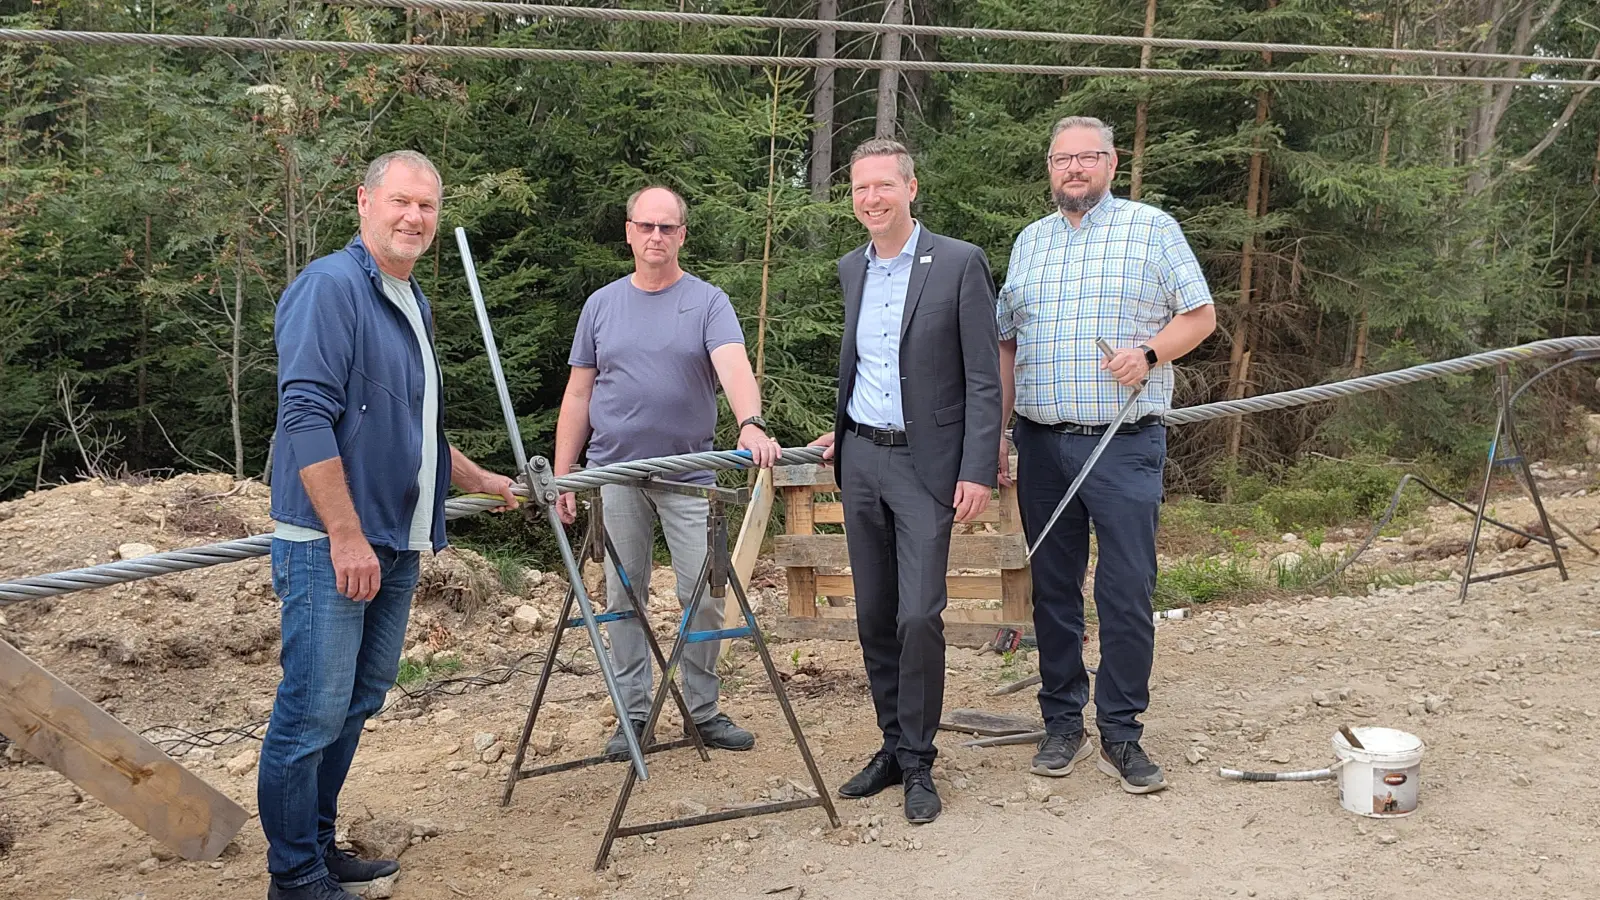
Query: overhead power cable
x=541 y=54
x=944 y=31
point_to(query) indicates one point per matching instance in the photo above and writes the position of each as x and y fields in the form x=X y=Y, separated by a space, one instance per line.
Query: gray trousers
x=898 y=534
x=630 y=517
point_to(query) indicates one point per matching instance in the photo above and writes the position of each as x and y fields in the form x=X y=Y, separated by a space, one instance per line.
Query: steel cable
x=259 y=545
x=996 y=34
x=538 y=54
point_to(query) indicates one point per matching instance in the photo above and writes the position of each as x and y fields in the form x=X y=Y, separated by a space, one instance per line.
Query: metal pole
x=519 y=454
x=538 y=496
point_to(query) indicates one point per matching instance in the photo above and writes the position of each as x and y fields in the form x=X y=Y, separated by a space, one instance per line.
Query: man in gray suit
x=918 y=418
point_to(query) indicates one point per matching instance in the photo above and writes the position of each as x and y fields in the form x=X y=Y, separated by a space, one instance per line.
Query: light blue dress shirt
x=875 y=401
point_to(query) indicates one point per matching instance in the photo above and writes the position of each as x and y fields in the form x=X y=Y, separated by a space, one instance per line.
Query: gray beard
x=1077 y=204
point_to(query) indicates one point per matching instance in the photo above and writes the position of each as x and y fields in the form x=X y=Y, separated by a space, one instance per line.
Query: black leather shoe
x=879 y=773
x=922 y=801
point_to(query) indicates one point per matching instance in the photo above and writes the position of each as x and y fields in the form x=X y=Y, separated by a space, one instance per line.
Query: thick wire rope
x=539 y=54
x=944 y=31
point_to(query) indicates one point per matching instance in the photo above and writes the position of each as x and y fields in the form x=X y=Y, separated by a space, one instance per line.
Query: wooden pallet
x=816 y=565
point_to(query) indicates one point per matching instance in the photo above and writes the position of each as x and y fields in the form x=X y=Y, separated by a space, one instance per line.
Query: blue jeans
x=339 y=660
x=1122 y=498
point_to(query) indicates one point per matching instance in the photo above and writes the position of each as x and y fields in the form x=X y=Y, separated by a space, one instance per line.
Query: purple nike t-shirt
x=655 y=390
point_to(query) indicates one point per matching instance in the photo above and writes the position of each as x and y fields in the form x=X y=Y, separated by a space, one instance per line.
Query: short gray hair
x=380 y=167
x=887 y=147
x=683 y=208
x=1107 y=136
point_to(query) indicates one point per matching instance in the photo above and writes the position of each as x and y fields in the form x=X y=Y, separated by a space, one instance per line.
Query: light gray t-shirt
x=399 y=293
x=655 y=390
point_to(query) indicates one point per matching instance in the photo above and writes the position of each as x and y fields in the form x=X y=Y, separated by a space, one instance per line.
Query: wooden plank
x=832 y=513
x=827 y=628
x=967 y=551
x=989 y=617
x=747 y=548
x=1016 y=594
x=797 y=521
x=105 y=758
x=809 y=476
x=960 y=587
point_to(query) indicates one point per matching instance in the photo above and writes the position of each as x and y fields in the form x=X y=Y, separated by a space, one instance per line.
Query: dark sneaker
x=880 y=772
x=720 y=732
x=325 y=889
x=1058 y=753
x=619 y=743
x=353 y=872
x=1127 y=762
x=922 y=801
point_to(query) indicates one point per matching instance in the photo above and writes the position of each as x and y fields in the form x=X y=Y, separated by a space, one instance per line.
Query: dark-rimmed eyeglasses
x=1087 y=160
x=667 y=229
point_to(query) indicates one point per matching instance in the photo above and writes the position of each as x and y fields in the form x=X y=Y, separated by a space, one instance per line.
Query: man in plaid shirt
x=1101 y=267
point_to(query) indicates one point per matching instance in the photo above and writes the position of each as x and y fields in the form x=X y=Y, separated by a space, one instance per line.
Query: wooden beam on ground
x=63 y=729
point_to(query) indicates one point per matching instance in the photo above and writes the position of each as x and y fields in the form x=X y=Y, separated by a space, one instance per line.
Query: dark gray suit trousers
x=899 y=539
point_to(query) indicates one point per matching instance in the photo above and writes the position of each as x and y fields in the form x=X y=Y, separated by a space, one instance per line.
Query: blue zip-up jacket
x=350 y=384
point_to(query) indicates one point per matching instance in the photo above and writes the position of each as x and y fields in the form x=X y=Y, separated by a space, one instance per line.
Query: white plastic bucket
x=1381 y=780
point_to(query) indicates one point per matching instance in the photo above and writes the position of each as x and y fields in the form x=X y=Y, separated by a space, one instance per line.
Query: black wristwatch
x=757 y=421
x=1149 y=355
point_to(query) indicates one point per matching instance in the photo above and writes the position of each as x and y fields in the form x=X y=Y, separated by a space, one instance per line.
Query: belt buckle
x=882 y=436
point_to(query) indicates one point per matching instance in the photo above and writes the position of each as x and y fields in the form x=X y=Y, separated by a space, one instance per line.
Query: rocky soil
x=1500 y=688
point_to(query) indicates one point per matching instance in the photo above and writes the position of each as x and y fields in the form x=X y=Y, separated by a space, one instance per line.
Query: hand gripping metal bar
x=542 y=490
x=1105 y=439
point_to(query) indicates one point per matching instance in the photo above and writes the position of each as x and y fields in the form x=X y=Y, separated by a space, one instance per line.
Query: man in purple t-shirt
x=648 y=355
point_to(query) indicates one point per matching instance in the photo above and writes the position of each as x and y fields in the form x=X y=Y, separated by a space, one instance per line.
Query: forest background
x=155 y=203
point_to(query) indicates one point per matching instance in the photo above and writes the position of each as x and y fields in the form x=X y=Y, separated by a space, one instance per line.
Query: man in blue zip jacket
x=358 y=489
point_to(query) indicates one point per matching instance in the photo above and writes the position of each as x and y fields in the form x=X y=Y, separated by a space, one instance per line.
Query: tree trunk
x=1141 y=115
x=766 y=249
x=291 y=215
x=822 y=106
x=1239 y=354
x=894 y=13
x=235 y=363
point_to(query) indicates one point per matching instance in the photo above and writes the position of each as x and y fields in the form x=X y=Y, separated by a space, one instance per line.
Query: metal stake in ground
x=1105 y=439
x=541 y=490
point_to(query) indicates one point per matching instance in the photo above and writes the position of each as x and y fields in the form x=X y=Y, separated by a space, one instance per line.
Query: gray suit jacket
x=949 y=362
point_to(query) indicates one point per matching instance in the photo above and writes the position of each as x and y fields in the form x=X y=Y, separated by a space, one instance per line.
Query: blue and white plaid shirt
x=1121 y=275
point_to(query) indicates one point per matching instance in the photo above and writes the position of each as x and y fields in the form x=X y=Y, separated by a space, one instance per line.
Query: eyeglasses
x=667 y=229
x=1087 y=160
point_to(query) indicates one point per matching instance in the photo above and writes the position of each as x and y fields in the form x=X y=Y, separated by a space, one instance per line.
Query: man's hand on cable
x=1128 y=366
x=825 y=441
x=971 y=500
x=495 y=483
x=764 y=451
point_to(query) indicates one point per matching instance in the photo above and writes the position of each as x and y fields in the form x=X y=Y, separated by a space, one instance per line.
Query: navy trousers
x=1121 y=498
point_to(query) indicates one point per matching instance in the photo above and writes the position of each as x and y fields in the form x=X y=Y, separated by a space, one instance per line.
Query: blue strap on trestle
x=603 y=618
x=700 y=637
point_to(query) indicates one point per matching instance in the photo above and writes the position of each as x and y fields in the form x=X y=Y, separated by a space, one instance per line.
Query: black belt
x=1128 y=428
x=886 y=437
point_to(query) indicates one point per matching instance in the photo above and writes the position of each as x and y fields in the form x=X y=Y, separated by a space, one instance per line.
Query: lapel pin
x=926 y=259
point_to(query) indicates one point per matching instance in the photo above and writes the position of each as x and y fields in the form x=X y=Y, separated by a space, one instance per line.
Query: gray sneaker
x=1126 y=761
x=1059 y=752
x=720 y=732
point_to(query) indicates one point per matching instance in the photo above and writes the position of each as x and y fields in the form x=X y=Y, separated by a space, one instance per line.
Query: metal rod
x=1520 y=570
x=538 y=700
x=494 y=353
x=743 y=812
x=596 y=760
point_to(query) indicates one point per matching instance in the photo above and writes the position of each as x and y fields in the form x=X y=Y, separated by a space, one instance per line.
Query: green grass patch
x=1313 y=571
x=1196 y=580
x=413 y=673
